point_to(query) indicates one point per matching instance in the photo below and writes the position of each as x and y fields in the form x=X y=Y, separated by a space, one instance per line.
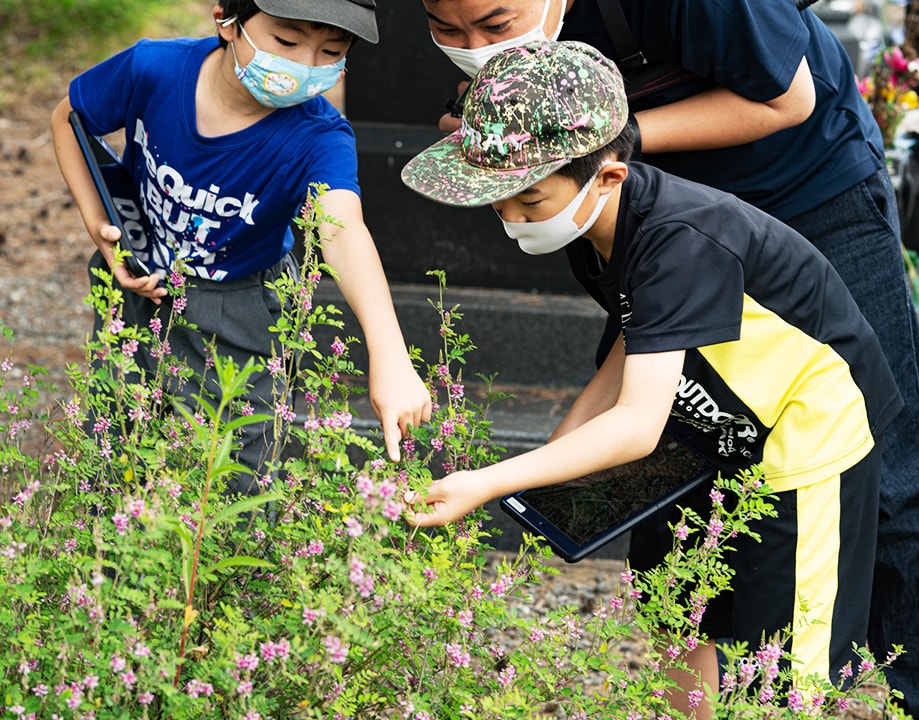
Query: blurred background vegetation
x=42 y=39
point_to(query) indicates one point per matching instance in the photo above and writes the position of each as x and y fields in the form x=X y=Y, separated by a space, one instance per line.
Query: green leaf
x=244 y=505
x=237 y=561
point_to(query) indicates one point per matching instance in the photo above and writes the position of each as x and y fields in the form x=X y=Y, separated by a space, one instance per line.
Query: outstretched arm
x=398 y=395
x=627 y=431
x=103 y=233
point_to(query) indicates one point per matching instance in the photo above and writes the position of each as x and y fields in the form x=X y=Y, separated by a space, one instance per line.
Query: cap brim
x=442 y=173
x=353 y=17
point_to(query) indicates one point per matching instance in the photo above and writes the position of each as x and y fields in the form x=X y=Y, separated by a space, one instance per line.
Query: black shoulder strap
x=631 y=57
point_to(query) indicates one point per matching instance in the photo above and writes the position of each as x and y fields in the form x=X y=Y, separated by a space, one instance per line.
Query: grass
x=42 y=41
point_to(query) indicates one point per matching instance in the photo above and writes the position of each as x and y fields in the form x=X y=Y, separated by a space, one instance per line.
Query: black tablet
x=118 y=194
x=579 y=517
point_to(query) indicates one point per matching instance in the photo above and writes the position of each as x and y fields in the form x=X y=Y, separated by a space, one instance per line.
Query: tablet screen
x=579 y=516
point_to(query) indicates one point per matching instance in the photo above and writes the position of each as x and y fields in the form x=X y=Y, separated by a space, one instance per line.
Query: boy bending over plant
x=735 y=336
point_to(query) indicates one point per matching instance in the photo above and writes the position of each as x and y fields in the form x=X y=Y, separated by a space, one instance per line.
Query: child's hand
x=447 y=500
x=148 y=286
x=400 y=399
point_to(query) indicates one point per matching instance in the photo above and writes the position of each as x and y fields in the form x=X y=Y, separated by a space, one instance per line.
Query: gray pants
x=234 y=317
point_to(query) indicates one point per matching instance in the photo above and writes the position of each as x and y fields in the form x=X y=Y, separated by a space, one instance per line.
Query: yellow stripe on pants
x=816 y=574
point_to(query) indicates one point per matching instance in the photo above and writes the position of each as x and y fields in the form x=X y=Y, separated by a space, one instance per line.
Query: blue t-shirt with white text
x=222 y=204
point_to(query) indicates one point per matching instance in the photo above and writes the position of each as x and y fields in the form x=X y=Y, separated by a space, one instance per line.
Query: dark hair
x=582 y=169
x=242 y=10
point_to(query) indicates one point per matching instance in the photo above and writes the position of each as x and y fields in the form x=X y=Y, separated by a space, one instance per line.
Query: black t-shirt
x=781 y=366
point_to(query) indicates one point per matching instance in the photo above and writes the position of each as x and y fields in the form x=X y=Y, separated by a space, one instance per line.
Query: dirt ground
x=43 y=247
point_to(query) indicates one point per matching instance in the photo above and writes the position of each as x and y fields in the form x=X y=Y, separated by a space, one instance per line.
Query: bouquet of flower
x=889 y=90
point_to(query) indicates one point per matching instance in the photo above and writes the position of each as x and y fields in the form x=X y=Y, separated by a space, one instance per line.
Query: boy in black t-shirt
x=735 y=335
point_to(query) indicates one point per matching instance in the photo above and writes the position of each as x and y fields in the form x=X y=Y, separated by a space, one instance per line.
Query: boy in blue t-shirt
x=224 y=137
x=733 y=333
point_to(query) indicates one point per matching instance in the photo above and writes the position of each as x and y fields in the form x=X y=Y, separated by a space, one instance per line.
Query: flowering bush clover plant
x=135 y=586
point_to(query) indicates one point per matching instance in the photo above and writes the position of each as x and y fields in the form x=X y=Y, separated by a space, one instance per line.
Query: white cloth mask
x=470 y=61
x=547 y=236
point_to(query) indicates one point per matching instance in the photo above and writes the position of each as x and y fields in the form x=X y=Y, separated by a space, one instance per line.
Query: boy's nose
x=505 y=213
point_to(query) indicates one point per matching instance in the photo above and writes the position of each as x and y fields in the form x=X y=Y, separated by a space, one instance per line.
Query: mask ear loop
x=226 y=22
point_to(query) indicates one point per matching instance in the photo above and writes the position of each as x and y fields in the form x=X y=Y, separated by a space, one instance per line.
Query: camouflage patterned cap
x=529 y=111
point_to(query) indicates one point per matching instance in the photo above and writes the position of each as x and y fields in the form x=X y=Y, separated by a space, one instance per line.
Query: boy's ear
x=613 y=173
x=223 y=30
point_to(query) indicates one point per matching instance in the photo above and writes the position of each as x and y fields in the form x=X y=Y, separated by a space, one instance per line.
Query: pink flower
x=275 y=365
x=197 y=688
x=507 y=675
x=337 y=650
x=392 y=510
x=354 y=527
x=895 y=60
x=121 y=523
x=364 y=486
x=310 y=616
x=246 y=662
x=458 y=656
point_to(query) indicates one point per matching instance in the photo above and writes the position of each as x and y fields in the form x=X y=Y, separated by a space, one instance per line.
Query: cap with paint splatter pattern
x=529 y=111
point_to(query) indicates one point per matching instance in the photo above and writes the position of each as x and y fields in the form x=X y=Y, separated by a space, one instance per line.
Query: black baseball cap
x=355 y=16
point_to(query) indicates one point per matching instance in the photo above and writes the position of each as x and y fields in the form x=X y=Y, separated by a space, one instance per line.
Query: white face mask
x=547 y=236
x=471 y=61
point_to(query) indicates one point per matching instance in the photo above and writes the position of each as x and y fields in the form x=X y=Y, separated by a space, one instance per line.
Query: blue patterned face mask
x=277 y=82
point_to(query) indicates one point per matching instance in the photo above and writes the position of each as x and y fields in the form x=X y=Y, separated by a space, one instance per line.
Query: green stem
x=189 y=603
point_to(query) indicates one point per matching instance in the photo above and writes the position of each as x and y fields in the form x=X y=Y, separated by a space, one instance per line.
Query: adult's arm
x=721 y=118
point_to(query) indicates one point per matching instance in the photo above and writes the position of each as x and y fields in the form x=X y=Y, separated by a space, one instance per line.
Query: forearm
x=599 y=395
x=76 y=175
x=610 y=439
x=606 y=441
x=721 y=118
x=362 y=282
